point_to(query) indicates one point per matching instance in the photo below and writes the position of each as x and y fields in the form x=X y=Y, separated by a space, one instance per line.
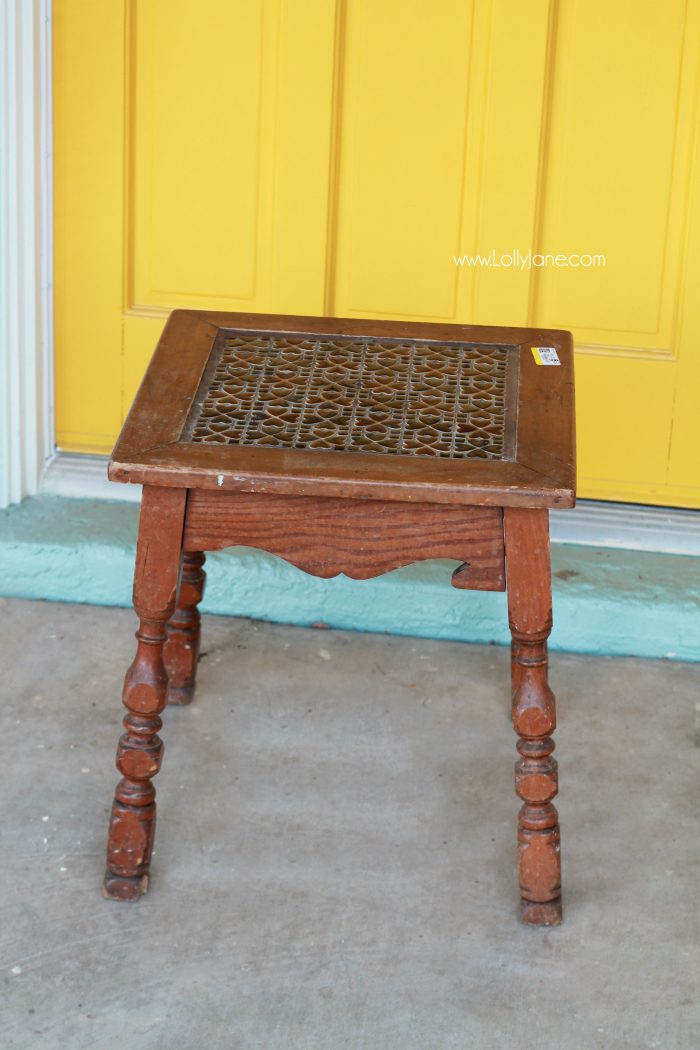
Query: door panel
x=618 y=168
x=335 y=157
x=192 y=145
x=402 y=157
x=198 y=130
x=613 y=160
x=88 y=222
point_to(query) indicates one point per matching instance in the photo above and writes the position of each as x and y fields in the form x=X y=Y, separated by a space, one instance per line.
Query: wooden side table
x=350 y=446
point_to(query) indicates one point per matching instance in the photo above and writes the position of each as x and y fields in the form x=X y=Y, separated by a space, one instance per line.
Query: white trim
x=631 y=526
x=590 y=524
x=26 y=247
x=78 y=476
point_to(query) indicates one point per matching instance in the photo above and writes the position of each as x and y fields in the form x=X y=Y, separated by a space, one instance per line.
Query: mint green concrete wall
x=605 y=601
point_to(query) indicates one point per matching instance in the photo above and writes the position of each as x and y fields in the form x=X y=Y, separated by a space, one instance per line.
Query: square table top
x=391 y=410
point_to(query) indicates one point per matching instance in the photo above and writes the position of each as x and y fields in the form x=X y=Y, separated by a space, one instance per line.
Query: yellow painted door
x=192 y=144
x=312 y=156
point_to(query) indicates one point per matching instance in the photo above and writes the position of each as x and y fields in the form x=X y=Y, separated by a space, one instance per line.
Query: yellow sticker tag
x=545 y=355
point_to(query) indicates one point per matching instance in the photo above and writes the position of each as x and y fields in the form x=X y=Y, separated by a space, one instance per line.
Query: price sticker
x=545 y=355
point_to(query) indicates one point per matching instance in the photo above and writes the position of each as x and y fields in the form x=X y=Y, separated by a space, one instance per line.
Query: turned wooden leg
x=534 y=714
x=181 y=650
x=140 y=751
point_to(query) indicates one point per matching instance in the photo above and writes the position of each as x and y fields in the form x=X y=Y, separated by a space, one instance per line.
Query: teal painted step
x=614 y=602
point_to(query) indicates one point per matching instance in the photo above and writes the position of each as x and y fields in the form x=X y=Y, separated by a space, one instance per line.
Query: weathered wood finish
x=360 y=538
x=534 y=714
x=331 y=512
x=153 y=447
x=181 y=650
x=140 y=750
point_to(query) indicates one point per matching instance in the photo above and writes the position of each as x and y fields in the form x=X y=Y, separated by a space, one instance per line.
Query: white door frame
x=26 y=248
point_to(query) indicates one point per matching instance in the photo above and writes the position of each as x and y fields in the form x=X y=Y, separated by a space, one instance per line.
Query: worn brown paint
x=361 y=538
x=335 y=511
x=140 y=750
x=181 y=650
x=528 y=578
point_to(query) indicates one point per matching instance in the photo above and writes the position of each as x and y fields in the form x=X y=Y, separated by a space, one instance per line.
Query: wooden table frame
x=330 y=512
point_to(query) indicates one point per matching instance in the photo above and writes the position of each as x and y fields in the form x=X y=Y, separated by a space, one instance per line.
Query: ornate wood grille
x=406 y=398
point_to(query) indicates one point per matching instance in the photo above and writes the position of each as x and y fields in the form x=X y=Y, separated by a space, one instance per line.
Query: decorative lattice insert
x=355 y=395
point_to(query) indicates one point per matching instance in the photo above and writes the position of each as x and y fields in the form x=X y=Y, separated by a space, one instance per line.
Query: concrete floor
x=335 y=856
